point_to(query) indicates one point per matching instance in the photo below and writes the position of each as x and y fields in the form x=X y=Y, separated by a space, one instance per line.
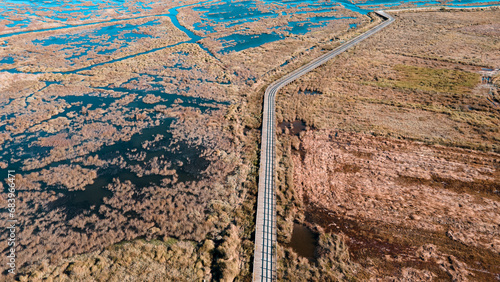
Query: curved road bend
x=265 y=258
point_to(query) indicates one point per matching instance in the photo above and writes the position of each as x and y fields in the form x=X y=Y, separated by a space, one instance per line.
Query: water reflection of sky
x=18 y=149
x=214 y=15
x=20 y=13
x=110 y=38
x=236 y=13
x=453 y=3
x=103 y=40
x=231 y=14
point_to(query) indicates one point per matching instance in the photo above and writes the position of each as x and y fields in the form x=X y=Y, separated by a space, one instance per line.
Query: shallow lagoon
x=143 y=146
x=64 y=10
x=212 y=13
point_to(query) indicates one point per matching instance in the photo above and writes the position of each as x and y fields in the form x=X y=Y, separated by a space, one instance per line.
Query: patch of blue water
x=173 y=12
x=126 y=32
x=232 y=14
x=95 y=100
x=119 y=59
x=20 y=24
x=423 y=3
x=327 y=18
x=246 y=20
x=228 y=13
x=420 y=3
x=173 y=18
x=107 y=51
x=316 y=11
x=303 y=27
x=204 y=26
x=59 y=19
x=239 y=42
x=460 y=3
x=17 y=150
x=68 y=6
x=6 y=60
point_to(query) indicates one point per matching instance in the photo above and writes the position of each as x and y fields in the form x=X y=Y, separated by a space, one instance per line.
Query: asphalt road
x=264 y=267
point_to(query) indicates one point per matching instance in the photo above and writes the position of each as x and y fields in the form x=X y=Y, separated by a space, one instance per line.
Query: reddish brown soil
x=408 y=209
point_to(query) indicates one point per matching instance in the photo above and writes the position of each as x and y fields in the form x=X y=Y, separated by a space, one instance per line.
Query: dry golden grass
x=395 y=86
x=399 y=96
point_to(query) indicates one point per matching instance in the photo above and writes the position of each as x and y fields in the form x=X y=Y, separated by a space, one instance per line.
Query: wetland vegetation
x=134 y=132
x=399 y=158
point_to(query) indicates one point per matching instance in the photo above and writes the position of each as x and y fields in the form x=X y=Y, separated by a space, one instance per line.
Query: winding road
x=265 y=258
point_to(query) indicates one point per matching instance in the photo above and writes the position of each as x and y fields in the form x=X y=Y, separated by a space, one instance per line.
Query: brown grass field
x=396 y=170
x=399 y=161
